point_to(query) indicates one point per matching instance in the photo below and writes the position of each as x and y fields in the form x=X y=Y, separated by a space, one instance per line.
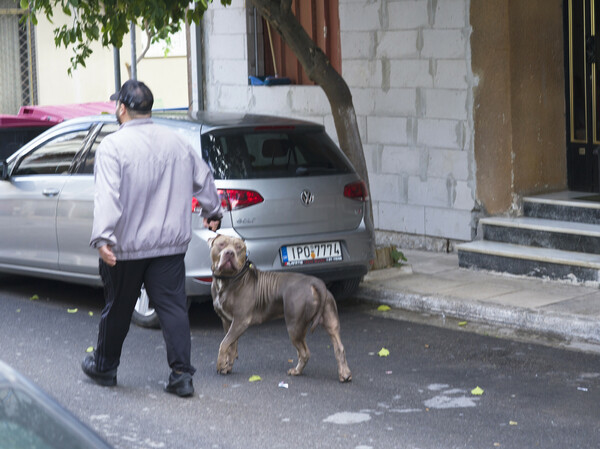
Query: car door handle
x=50 y=192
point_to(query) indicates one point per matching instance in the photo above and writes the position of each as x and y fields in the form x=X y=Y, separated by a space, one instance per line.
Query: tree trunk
x=318 y=68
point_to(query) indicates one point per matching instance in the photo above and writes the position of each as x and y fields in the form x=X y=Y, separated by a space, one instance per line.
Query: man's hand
x=107 y=255
x=212 y=223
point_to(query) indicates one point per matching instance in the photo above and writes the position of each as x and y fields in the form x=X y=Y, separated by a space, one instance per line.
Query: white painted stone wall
x=407 y=63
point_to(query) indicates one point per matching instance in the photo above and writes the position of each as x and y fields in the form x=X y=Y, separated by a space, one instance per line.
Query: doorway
x=582 y=61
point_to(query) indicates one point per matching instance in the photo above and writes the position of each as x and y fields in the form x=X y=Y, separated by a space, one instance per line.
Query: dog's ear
x=211 y=240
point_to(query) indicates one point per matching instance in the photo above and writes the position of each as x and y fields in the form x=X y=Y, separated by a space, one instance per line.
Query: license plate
x=311 y=253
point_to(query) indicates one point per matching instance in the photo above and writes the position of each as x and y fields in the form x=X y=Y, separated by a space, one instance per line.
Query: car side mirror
x=4 y=171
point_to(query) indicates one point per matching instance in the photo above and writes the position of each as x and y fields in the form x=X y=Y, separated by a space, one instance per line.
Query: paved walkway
x=434 y=283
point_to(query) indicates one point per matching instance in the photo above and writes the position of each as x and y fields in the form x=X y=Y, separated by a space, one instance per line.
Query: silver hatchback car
x=286 y=189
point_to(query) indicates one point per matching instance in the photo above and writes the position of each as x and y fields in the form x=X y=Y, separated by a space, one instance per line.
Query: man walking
x=145 y=176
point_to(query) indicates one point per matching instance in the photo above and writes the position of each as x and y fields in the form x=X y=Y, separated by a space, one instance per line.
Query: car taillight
x=205 y=280
x=232 y=199
x=356 y=191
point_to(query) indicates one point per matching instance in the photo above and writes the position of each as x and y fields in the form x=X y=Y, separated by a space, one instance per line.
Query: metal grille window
x=18 y=74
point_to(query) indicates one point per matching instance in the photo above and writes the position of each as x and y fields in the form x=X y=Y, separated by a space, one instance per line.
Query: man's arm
x=107 y=206
x=205 y=191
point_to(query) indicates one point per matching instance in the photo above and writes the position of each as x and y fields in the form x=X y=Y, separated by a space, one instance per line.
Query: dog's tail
x=321 y=290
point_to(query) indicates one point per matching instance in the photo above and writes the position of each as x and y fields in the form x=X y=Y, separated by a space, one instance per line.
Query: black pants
x=164 y=280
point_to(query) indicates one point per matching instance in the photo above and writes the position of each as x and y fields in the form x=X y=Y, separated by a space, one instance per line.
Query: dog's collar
x=235 y=277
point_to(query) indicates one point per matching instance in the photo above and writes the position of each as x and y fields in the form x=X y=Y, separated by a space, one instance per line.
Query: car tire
x=345 y=288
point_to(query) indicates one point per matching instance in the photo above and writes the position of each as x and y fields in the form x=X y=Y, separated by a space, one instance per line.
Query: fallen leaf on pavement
x=254 y=378
x=383 y=352
x=34 y=298
x=477 y=391
x=90 y=349
x=462 y=323
x=512 y=423
x=71 y=310
x=384 y=308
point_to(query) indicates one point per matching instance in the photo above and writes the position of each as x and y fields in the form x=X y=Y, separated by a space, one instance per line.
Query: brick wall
x=407 y=63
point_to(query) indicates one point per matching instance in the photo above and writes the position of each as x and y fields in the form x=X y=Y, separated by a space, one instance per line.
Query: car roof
x=214 y=120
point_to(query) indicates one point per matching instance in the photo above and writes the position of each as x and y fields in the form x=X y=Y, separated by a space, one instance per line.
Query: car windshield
x=252 y=154
x=26 y=423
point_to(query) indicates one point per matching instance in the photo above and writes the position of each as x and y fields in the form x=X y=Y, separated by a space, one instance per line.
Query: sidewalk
x=434 y=283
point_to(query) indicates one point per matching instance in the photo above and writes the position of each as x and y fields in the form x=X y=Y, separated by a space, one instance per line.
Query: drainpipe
x=117 y=68
x=133 y=52
x=196 y=69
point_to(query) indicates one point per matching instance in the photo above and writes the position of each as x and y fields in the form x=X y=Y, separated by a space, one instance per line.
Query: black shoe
x=180 y=384
x=104 y=378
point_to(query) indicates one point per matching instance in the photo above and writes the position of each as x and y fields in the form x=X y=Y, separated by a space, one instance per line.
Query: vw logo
x=307 y=197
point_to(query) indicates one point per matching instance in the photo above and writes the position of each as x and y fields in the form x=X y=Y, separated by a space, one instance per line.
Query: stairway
x=558 y=237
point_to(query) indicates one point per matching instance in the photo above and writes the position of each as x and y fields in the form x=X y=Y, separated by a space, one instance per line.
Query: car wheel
x=345 y=288
x=144 y=314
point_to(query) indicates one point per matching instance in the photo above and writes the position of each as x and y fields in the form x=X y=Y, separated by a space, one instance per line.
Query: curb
x=564 y=326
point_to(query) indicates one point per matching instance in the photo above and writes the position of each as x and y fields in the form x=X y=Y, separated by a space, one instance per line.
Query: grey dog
x=243 y=295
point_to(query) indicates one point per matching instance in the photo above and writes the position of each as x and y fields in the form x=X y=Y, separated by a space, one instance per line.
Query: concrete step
x=529 y=261
x=543 y=233
x=574 y=208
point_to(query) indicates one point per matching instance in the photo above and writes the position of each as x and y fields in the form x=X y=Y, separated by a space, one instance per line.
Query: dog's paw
x=294 y=372
x=224 y=367
x=346 y=376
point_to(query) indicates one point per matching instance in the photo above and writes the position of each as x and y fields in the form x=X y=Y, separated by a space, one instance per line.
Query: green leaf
x=397 y=257
x=24 y=4
x=94 y=32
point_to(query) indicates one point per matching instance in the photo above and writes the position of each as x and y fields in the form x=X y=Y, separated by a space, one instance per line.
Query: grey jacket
x=145 y=176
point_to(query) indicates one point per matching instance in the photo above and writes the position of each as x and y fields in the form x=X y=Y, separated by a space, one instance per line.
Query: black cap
x=135 y=95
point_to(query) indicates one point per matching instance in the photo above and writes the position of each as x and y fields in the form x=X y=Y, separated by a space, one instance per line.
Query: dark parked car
x=286 y=188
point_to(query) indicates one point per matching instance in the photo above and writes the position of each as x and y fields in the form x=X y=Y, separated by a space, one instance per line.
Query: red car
x=31 y=121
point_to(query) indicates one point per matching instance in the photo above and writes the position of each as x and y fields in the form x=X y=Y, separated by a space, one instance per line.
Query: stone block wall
x=408 y=65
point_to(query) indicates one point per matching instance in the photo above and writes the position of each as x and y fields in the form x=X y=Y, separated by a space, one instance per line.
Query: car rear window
x=254 y=154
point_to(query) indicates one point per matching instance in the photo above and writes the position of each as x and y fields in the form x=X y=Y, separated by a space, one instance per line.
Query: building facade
x=464 y=106
x=461 y=104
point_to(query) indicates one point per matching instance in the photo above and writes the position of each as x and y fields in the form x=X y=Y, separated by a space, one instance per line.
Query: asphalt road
x=419 y=396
